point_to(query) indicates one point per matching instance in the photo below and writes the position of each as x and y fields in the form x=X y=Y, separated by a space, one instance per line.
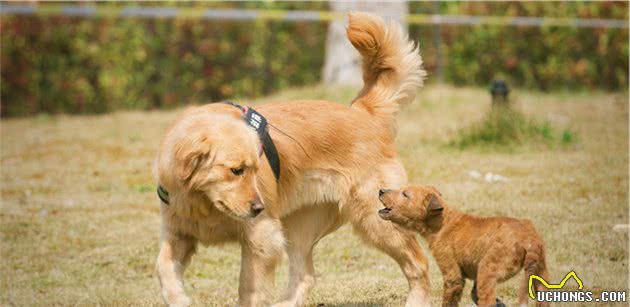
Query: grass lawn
x=79 y=223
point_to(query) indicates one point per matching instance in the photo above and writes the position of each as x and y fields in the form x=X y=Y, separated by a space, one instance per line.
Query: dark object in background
x=499 y=91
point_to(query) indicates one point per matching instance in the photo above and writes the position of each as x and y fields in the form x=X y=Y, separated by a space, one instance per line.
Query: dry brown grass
x=79 y=220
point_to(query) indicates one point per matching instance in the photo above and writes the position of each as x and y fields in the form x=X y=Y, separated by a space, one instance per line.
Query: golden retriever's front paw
x=174 y=300
x=417 y=298
x=183 y=302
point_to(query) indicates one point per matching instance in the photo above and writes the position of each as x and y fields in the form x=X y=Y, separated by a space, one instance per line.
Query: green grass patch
x=504 y=126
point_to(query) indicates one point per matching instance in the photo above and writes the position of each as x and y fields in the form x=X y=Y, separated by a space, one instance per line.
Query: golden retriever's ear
x=435 y=206
x=190 y=154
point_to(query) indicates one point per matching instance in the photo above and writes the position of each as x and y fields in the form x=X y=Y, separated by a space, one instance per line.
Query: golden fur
x=486 y=250
x=334 y=158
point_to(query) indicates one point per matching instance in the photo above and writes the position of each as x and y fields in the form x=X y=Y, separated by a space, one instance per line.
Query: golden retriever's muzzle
x=257 y=207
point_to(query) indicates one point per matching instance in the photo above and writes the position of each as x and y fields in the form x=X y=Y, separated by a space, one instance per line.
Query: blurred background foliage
x=542 y=58
x=53 y=64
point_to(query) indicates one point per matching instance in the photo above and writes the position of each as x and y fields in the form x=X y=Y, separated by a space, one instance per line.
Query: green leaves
x=76 y=65
x=505 y=126
x=545 y=58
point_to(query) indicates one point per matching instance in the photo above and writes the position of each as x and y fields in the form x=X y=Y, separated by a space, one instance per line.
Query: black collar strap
x=162 y=194
x=259 y=123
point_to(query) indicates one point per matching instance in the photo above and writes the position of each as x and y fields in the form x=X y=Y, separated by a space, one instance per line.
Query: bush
x=504 y=126
x=75 y=65
x=544 y=58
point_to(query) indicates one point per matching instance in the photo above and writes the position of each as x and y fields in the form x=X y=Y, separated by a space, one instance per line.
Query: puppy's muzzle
x=384 y=211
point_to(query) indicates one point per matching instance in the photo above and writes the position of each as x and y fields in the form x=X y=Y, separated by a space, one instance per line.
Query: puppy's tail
x=533 y=264
x=392 y=65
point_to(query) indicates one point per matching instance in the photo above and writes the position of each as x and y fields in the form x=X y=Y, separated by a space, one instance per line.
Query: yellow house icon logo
x=553 y=286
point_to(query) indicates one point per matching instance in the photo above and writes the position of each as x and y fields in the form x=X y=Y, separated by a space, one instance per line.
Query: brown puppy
x=486 y=250
x=332 y=159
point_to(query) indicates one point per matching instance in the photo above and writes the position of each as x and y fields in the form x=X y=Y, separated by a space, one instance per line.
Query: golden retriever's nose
x=382 y=191
x=257 y=207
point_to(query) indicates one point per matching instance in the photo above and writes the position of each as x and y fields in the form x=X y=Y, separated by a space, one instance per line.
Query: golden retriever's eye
x=405 y=194
x=238 y=171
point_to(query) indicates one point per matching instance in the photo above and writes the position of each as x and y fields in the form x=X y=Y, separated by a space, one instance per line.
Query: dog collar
x=259 y=123
x=162 y=194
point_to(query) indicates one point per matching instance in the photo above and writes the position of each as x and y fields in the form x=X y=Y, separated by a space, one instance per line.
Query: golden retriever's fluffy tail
x=392 y=66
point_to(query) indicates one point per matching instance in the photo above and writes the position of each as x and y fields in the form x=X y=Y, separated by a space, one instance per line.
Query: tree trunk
x=342 y=65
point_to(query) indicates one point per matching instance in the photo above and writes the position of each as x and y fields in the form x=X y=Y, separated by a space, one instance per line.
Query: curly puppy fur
x=333 y=160
x=486 y=250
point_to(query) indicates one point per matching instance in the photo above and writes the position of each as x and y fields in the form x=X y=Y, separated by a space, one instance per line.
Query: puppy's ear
x=190 y=154
x=434 y=207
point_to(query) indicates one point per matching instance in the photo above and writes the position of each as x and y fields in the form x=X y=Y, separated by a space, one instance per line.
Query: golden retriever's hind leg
x=403 y=247
x=400 y=244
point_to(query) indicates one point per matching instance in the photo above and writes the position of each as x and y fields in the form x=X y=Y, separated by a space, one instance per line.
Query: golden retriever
x=487 y=250
x=333 y=158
